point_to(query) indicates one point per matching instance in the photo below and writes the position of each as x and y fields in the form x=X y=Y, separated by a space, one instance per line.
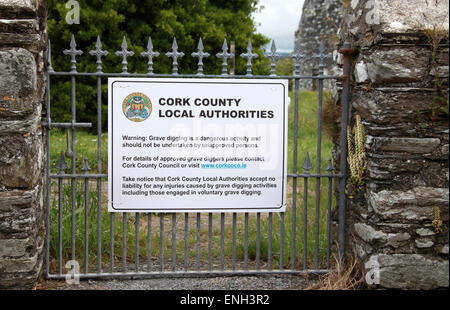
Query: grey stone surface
x=424 y=243
x=14 y=247
x=18 y=6
x=415 y=204
x=320 y=21
x=368 y=233
x=18 y=69
x=396 y=65
x=444 y=249
x=361 y=73
x=409 y=271
x=408 y=145
x=424 y=232
x=21 y=163
x=393 y=91
x=22 y=149
x=420 y=15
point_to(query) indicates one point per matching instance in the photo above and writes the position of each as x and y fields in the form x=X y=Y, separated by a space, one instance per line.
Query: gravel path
x=284 y=282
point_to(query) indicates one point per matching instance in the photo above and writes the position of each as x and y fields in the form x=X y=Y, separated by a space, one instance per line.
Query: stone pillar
x=22 y=149
x=398 y=224
x=320 y=21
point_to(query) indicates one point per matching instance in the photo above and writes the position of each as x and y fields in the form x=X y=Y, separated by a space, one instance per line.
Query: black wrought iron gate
x=268 y=243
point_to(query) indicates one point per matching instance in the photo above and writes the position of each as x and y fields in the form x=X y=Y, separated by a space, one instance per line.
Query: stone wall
x=398 y=81
x=320 y=21
x=22 y=160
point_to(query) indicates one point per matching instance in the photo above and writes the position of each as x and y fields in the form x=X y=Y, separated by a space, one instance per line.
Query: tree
x=187 y=20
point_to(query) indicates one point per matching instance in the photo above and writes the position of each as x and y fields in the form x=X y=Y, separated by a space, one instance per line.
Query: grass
x=345 y=275
x=86 y=145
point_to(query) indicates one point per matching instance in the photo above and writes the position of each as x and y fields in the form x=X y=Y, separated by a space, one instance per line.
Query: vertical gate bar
x=73 y=52
x=305 y=222
x=86 y=229
x=60 y=202
x=330 y=184
x=233 y=246
x=111 y=242
x=161 y=241
x=73 y=180
x=246 y=241
x=149 y=241
x=258 y=240
x=99 y=171
x=321 y=57
x=99 y=53
x=48 y=183
x=124 y=242
x=281 y=239
x=269 y=254
x=136 y=242
x=319 y=155
x=210 y=241
x=294 y=181
x=186 y=233
x=198 y=242
x=174 y=240
x=347 y=51
x=222 y=241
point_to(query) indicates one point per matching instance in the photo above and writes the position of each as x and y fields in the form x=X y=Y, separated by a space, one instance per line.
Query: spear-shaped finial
x=150 y=54
x=200 y=55
x=307 y=164
x=99 y=53
x=322 y=56
x=49 y=57
x=249 y=55
x=73 y=52
x=61 y=165
x=330 y=166
x=86 y=167
x=175 y=55
x=224 y=55
x=297 y=57
x=124 y=53
x=273 y=56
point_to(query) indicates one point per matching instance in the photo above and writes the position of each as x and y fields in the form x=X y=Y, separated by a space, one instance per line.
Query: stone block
x=19 y=212
x=11 y=265
x=408 y=145
x=413 y=205
x=397 y=65
x=18 y=78
x=21 y=159
x=407 y=271
x=14 y=247
x=361 y=74
x=395 y=110
x=424 y=232
x=18 y=8
x=412 y=16
x=424 y=243
x=19 y=26
x=368 y=233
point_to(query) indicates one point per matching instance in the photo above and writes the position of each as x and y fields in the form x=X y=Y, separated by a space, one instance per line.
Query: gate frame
x=341 y=177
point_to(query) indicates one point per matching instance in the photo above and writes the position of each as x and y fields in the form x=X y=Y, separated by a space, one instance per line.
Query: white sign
x=197 y=145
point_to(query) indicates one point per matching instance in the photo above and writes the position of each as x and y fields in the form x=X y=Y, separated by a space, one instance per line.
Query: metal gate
x=138 y=244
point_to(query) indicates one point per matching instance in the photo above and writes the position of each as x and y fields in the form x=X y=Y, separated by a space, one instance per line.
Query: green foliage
x=187 y=20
